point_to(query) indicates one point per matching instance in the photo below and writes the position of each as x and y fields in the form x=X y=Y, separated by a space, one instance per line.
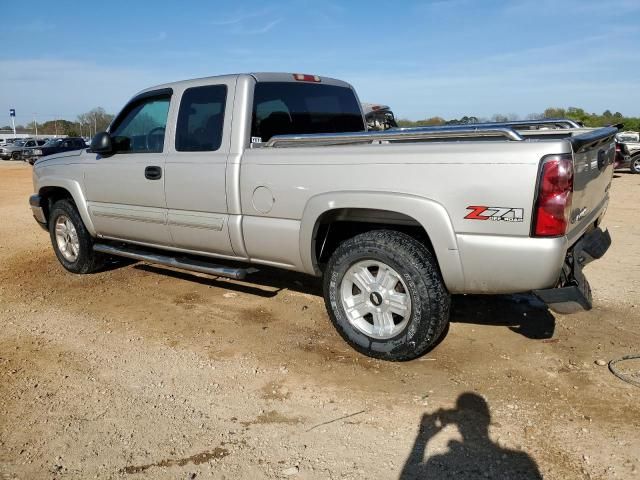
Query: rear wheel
x=635 y=164
x=385 y=296
x=71 y=241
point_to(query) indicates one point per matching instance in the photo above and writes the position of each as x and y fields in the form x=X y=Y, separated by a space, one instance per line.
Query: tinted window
x=201 y=118
x=285 y=107
x=140 y=127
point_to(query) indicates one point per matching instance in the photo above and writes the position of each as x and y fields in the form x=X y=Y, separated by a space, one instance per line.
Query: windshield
x=627 y=138
x=19 y=143
x=52 y=143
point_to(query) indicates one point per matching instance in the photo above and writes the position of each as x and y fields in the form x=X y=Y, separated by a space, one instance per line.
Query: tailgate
x=593 y=157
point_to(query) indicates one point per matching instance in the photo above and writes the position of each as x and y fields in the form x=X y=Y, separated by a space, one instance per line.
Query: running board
x=185 y=263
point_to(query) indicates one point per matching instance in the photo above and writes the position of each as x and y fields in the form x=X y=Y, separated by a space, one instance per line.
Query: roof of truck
x=259 y=76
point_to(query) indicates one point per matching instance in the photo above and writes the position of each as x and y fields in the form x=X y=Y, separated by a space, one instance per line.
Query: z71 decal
x=497 y=214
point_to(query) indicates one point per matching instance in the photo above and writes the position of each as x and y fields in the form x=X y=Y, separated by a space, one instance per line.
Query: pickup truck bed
x=278 y=169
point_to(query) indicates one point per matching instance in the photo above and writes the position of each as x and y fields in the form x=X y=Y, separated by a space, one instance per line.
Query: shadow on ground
x=475 y=457
x=523 y=314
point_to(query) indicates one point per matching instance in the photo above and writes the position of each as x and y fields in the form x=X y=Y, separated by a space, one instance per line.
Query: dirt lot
x=147 y=372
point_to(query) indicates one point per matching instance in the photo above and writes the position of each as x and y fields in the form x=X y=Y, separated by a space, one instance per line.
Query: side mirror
x=101 y=143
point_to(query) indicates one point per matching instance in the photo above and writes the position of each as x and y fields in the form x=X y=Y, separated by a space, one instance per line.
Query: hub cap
x=67 y=238
x=375 y=299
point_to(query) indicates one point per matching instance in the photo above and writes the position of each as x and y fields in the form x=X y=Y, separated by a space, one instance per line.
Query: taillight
x=555 y=192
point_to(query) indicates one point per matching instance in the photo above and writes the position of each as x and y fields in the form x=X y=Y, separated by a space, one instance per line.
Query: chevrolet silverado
x=279 y=169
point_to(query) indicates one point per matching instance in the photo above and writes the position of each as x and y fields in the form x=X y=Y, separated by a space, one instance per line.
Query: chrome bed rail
x=459 y=132
x=560 y=123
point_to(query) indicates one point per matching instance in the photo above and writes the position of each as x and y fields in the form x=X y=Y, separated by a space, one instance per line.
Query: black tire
x=87 y=260
x=418 y=269
x=634 y=165
x=15 y=155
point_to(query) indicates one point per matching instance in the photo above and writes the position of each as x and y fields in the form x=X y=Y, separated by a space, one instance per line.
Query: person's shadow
x=476 y=456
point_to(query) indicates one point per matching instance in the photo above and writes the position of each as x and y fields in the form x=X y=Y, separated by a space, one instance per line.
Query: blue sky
x=439 y=57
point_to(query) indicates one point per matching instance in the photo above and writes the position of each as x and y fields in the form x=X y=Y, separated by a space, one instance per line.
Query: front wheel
x=385 y=295
x=15 y=155
x=635 y=164
x=71 y=241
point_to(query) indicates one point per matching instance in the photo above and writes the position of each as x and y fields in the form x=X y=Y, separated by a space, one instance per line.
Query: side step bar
x=185 y=263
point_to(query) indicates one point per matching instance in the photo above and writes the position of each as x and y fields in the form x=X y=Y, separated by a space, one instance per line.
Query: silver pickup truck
x=278 y=169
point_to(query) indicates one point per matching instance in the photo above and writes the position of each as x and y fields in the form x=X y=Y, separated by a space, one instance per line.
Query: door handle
x=153 y=173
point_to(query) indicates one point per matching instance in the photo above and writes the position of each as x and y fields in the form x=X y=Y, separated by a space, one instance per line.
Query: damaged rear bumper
x=573 y=292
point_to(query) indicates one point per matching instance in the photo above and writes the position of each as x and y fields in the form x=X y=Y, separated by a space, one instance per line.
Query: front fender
x=431 y=215
x=74 y=187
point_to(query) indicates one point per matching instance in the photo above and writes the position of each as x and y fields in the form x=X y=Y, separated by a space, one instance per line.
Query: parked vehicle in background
x=378 y=117
x=628 y=151
x=624 y=137
x=394 y=221
x=30 y=145
x=13 y=151
x=53 y=146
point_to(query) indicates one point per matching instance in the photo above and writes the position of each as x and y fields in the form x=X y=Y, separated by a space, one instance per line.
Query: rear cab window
x=282 y=108
x=201 y=119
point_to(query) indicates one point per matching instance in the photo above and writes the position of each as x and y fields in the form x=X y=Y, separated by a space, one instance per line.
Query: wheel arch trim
x=431 y=215
x=74 y=189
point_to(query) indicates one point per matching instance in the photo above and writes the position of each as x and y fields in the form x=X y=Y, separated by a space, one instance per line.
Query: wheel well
x=335 y=226
x=51 y=195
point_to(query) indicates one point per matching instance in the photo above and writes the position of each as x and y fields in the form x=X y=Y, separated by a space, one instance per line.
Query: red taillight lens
x=555 y=192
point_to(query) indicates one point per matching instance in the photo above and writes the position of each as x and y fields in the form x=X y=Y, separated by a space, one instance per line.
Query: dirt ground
x=147 y=372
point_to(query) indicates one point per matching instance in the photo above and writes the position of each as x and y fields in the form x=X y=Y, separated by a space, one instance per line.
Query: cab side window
x=201 y=119
x=140 y=128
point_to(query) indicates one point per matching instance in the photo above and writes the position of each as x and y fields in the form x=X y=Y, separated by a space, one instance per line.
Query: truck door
x=125 y=190
x=196 y=164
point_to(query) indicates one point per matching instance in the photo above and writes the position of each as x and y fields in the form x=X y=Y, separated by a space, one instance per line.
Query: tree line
x=578 y=114
x=97 y=120
x=86 y=125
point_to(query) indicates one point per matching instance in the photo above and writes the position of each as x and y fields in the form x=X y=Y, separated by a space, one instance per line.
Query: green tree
x=553 y=112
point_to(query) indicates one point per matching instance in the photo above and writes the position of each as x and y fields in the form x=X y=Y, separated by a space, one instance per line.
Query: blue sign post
x=12 y=114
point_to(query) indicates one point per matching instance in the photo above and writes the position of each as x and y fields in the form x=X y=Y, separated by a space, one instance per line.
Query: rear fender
x=431 y=215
